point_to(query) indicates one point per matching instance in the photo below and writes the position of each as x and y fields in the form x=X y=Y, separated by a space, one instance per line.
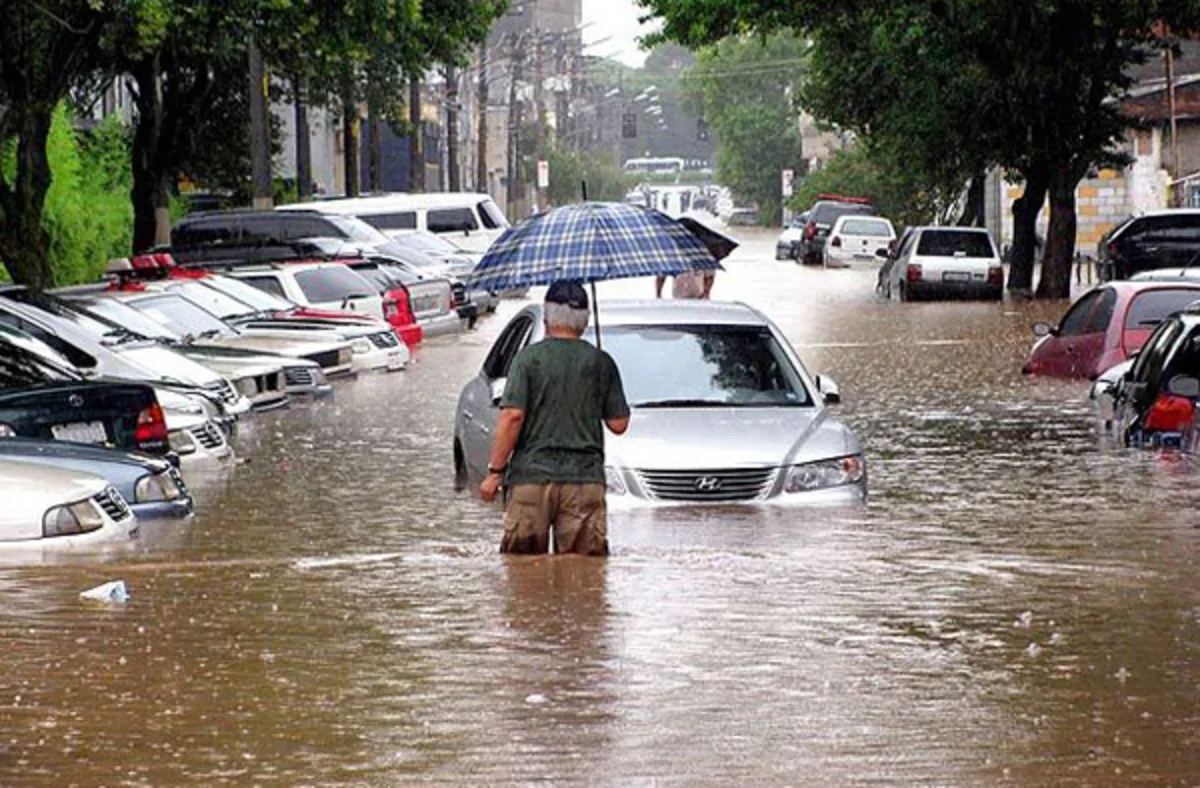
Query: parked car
x=785 y=245
x=262 y=235
x=959 y=262
x=821 y=217
x=436 y=256
x=153 y=488
x=742 y=217
x=107 y=350
x=38 y=399
x=723 y=409
x=473 y=221
x=1105 y=326
x=1156 y=239
x=432 y=299
x=196 y=425
x=58 y=508
x=858 y=239
x=1154 y=402
x=332 y=286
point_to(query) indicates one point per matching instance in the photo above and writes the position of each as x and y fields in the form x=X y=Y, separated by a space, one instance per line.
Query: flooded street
x=1017 y=604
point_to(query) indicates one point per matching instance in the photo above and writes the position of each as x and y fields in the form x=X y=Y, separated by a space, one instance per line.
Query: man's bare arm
x=618 y=426
x=508 y=429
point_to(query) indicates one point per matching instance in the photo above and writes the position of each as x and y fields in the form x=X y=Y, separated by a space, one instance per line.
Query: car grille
x=208 y=435
x=744 y=484
x=384 y=339
x=299 y=376
x=223 y=390
x=325 y=360
x=113 y=504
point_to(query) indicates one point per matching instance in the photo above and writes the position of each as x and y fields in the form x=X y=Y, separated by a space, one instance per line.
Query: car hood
x=157 y=363
x=290 y=345
x=315 y=328
x=234 y=363
x=27 y=448
x=716 y=438
x=29 y=490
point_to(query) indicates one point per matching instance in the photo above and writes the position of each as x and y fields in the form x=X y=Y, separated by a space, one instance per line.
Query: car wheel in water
x=903 y=293
x=460 y=467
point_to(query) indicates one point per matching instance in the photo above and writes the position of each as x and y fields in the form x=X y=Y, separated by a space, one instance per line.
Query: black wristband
x=498 y=471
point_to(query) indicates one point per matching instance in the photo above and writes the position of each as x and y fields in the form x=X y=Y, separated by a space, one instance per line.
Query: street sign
x=543 y=174
x=787 y=179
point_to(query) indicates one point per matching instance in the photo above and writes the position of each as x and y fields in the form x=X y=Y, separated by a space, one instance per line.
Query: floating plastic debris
x=108 y=592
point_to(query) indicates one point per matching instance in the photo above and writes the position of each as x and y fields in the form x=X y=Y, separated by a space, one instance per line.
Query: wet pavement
x=1018 y=604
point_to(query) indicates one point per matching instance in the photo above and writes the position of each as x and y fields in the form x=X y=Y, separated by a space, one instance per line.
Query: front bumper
x=164 y=510
x=638 y=495
x=386 y=359
x=448 y=323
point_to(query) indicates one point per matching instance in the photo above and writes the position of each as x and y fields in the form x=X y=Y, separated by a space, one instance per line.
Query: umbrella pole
x=596 y=310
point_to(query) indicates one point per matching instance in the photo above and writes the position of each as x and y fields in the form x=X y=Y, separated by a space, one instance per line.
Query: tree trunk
x=973 y=212
x=416 y=157
x=374 y=145
x=23 y=240
x=350 y=158
x=481 y=164
x=304 y=181
x=453 y=181
x=260 y=137
x=146 y=171
x=1060 y=237
x=1025 y=212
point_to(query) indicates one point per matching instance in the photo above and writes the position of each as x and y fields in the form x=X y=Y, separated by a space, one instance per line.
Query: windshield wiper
x=681 y=403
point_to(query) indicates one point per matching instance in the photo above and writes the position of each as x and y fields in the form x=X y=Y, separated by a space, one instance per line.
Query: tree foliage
x=569 y=169
x=742 y=87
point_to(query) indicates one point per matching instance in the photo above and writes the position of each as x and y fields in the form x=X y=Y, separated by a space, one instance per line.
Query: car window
x=830 y=212
x=208 y=299
x=355 y=229
x=491 y=215
x=1148 y=368
x=253 y=297
x=376 y=276
x=180 y=315
x=954 y=243
x=699 y=365
x=268 y=284
x=333 y=283
x=20 y=368
x=204 y=232
x=500 y=358
x=449 y=220
x=406 y=220
x=1153 y=306
x=299 y=225
x=73 y=354
x=906 y=244
x=1102 y=313
x=1186 y=358
x=873 y=228
x=127 y=316
x=262 y=228
x=1075 y=321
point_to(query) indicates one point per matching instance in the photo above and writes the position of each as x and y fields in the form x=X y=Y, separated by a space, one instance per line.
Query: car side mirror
x=1044 y=329
x=1184 y=386
x=882 y=253
x=828 y=387
x=496 y=388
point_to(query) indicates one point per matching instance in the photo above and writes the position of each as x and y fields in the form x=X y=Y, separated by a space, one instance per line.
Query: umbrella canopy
x=591 y=242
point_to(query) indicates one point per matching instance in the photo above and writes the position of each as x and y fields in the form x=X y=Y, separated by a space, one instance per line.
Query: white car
x=946 y=262
x=858 y=239
x=785 y=244
x=331 y=286
x=192 y=431
x=51 y=507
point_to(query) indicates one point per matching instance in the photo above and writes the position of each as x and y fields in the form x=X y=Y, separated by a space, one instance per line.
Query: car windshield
x=428 y=242
x=356 y=229
x=954 y=243
x=409 y=253
x=20 y=368
x=874 y=228
x=179 y=314
x=121 y=313
x=1154 y=306
x=249 y=295
x=107 y=331
x=377 y=277
x=704 y=366
x=211 y=301
x=493 y=217
x=332 y=283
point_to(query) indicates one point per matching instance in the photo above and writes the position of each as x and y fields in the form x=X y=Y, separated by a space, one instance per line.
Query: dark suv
x=1162 y=239
x=212 y=236
x=821 y=218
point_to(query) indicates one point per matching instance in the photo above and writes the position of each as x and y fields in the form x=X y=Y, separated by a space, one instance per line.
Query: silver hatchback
x=724 y=411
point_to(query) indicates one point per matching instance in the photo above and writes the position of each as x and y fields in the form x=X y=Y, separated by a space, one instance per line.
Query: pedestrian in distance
x=548 y=450
x=689 y=284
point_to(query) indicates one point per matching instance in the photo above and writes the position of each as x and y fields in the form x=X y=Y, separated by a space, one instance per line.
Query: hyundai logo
x=708 y=484
x=75 y=401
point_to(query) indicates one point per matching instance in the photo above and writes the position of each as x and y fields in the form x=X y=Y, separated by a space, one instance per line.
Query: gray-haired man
x=549 y=443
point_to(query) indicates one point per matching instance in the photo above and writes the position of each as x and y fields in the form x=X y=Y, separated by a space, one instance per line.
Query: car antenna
x=1189 y=264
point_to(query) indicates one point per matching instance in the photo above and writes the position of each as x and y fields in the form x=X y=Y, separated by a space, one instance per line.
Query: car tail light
x=836 y=241
x=913 y=272
x=390 y=309
x=1170 y=413
x=810 y=231
x=151 y=427
x=995 y=275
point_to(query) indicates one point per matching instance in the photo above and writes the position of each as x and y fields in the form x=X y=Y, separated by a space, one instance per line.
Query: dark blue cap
x=570 y=293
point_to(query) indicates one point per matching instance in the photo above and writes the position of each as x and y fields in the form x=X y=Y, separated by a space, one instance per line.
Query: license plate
x=395 y=362
x=956 y=276
x=862 y=256
x=80 y=432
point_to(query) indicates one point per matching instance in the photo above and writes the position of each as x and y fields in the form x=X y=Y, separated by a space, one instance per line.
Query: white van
x=469 y=221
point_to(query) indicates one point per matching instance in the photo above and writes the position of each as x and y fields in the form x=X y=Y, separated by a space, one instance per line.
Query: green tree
x=743 y=88
x=570 y=169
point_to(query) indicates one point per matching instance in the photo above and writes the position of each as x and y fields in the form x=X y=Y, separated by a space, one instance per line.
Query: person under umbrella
x=548 y=448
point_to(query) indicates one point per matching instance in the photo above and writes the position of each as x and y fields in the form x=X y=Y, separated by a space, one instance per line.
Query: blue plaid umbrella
x=591 y=242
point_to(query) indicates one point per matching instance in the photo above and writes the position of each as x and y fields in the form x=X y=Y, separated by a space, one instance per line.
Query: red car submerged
x=1105 y=326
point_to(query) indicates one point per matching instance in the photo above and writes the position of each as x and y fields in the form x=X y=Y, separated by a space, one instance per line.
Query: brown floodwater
x=1018 y=603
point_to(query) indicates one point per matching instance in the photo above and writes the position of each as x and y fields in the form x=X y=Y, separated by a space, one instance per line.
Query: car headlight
x=613 y=481
x=345 y=356
x=247 y=387
x=6 y=431
x=72 y=519
x=156 y=487
x=181 y=442
x=361 y=346
x=824 y=474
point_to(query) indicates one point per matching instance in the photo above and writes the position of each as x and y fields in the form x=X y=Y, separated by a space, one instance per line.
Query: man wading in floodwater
x=549 y=445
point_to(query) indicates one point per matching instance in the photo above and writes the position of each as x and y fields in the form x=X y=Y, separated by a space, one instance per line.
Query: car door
x=899 y=263
x=1058 y=354
x=1137 y=392
x=478 y=407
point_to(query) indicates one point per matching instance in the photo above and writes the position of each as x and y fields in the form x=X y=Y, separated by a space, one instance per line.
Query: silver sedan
x=723 y=409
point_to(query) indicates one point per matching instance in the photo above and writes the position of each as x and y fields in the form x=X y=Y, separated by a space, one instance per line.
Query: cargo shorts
x=576 y=512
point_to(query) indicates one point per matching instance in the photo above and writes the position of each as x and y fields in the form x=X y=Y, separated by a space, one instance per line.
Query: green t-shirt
x=567 y=389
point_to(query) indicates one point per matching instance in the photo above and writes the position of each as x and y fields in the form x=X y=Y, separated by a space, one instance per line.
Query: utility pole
x=481 y=165
x=453 y=182
x=260 y=140
x=539 y=109
x=416 y=159
x=514 y=128
x=304 y=180
x=1169 y=60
